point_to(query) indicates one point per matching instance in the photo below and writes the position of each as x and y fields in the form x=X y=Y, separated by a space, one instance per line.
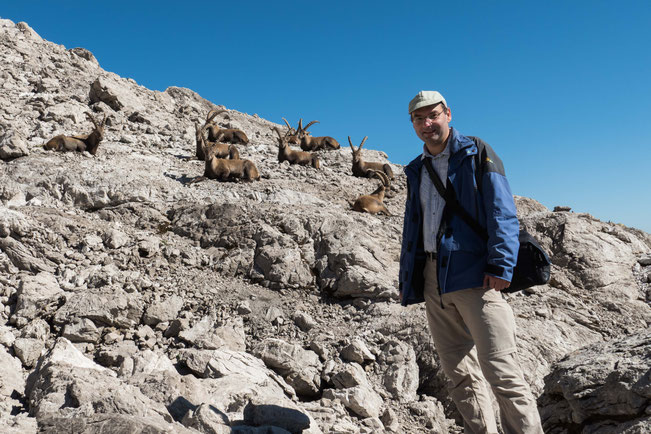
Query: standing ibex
x=221 y=150
x=285 y=153
x=309 y=143
x=86 y=142
x=225 y=170
x=231 y=135
x=373 y=203
x=365 y=169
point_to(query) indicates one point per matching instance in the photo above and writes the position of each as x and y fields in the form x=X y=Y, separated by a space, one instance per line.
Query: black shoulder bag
x=533 y=266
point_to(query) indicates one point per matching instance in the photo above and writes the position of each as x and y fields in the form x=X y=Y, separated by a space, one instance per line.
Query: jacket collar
x=459 y=147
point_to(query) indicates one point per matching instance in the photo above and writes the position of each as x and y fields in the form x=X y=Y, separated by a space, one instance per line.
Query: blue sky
x=561 y=90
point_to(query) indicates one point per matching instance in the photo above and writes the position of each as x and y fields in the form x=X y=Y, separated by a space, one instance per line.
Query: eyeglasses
x=432 y=117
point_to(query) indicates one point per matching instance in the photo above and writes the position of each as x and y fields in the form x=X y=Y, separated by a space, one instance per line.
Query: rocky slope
x=134 y=301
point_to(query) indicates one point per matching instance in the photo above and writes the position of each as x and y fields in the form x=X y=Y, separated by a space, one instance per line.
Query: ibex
x=231 y=135
x=373 y=203
x=221 y=150
x=226 y=170
x=285 y=153
x=364 y=169
x=309 y=143
x=291 y=135
x=88 y=142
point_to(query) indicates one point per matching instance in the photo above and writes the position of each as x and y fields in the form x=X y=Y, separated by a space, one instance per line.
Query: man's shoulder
x=488 y=158
x=414 y=164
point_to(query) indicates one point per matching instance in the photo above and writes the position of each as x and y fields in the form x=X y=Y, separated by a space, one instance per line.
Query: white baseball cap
x=425 y=98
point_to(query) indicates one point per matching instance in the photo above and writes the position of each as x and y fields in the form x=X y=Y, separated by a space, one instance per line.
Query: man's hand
x=492 y=282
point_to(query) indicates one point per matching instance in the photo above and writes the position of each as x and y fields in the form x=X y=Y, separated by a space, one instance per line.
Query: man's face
x=431 y=124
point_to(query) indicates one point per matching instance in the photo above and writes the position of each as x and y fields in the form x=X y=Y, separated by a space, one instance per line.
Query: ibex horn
x=310 y=124
x=92 y=119
x=212 y=114
x=383 y=178
x=362 y=144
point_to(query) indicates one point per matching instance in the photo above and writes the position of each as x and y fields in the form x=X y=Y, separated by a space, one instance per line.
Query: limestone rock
x=114 y=94
x=349 y=375
x=111 y=422
x=22 y=258
x=115 y=239
x=83 y=330
x=304 y=321
x=69 y=384
x=209 y=334
x=207 y=419
x=163 y=310
x=357 y=351
x=401 y=377
x=603 y=388
x=361 y=400
x=28 y=350
x=300 y=367
x=112 y=308
x=12 y=381
x=12 y=145
x=37 y=295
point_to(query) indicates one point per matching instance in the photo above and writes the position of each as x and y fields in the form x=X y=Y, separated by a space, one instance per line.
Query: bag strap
x=449 y=195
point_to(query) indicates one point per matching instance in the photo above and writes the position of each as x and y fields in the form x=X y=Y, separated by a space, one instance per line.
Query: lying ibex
x=285 y=153
x=87 y=142
x=364 y=169
x=221 y=150
x=309 y=143
x=373 y=203
x=231 y=135
x=226 y=170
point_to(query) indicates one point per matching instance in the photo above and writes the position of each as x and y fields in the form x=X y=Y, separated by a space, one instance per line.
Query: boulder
x=37 y=295
x=12 y=145
x=66 y=383
x=603 y=388
x=114 y=94
x=361 y=400
x=300 y=367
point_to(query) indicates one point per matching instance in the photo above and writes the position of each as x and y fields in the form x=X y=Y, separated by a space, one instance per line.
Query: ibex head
x=302 y=130
x=282 y=139
x=99 y=125
x=357 y=153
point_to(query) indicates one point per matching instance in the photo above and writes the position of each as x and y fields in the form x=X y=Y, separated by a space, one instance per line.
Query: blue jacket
x=463 y=256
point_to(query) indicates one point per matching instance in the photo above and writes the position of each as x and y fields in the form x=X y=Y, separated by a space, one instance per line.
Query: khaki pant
x=475 y=333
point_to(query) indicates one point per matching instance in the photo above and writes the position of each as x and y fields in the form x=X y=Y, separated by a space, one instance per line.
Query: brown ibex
x=373 y=203
x=226 y=170
x=285 y=153
x=221 y=150
x=87 y=142
x=231 y=135
x=364 y=169
x=309 y=143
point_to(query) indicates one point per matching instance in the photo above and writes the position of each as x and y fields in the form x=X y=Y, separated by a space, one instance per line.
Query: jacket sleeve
x=501 y=218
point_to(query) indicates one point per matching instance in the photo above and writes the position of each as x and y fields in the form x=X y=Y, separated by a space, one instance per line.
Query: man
x=459 y=275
